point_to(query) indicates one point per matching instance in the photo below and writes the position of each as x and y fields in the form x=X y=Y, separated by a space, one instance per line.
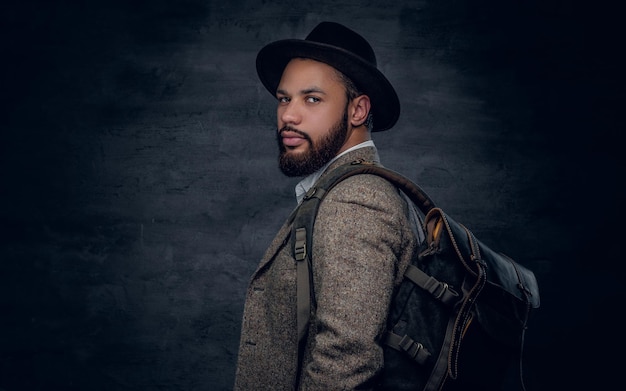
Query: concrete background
x=139 y=188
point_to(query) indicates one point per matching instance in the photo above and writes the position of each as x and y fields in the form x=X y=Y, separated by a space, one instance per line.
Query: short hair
x=352 y=92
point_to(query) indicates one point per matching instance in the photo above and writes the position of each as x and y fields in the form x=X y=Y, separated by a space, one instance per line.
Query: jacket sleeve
x=360 y=236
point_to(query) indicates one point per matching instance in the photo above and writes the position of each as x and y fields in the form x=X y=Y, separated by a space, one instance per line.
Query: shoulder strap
x=412 y=190
x=302 y=234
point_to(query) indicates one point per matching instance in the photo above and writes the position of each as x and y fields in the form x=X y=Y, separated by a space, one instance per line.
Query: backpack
x=457 y=320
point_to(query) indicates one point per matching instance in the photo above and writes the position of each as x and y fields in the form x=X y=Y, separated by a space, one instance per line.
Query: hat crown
x=339 y=36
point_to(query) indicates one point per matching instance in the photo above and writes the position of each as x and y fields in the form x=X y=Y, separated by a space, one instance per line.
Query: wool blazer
x=362 y=243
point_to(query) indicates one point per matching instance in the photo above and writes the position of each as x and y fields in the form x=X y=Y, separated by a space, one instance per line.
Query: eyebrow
x=309 y=90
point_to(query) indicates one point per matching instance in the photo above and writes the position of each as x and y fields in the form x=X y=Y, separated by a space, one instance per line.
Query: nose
x=289 y=113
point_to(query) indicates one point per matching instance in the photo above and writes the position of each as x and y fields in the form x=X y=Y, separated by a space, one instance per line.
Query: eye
x=283 y=99
x=312 y=99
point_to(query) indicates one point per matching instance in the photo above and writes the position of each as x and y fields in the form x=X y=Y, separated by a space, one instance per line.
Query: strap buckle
x=439 y=290
x=300 y=246
x=413 y=349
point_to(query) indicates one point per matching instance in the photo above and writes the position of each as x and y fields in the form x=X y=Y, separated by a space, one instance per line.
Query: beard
x=319 y=153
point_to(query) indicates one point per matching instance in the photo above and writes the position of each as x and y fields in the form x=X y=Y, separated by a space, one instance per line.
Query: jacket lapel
x=281 y=238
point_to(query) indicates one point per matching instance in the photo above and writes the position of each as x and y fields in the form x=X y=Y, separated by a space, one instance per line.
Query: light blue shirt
x=304 y=185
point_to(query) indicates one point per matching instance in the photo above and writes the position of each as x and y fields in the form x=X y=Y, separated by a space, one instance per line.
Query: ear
x=360 y=109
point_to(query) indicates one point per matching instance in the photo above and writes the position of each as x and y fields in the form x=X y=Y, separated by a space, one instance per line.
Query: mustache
x=288 y=128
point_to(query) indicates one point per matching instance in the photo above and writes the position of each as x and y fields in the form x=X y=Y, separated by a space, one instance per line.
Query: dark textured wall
x=139 y=188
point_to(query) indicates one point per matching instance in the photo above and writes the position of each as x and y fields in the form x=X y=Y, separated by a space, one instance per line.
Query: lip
x=292 y=139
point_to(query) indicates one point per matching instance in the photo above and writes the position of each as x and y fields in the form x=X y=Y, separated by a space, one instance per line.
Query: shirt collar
x=304 y=185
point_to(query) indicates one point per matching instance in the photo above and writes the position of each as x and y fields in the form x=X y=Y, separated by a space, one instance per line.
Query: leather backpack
x=458 y=319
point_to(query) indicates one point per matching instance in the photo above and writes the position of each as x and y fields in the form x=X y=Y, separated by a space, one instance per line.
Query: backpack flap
x=511 y=291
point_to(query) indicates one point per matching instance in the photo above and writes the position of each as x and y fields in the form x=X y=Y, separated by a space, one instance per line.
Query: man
x=330 y=98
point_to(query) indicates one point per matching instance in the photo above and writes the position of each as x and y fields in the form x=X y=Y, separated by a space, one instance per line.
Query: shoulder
x=363 y=217
x=365 y=189
x=363 y=199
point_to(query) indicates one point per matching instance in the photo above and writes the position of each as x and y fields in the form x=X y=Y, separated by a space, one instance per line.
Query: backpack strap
x=302 y=234
x=302 y=238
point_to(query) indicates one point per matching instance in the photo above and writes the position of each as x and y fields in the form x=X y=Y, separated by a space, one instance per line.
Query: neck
x=356 y=136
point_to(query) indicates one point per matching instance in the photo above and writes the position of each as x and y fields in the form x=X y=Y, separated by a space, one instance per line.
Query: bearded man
x=330 y=98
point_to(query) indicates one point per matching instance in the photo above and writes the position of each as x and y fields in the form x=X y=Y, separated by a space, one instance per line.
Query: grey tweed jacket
x=363 y=242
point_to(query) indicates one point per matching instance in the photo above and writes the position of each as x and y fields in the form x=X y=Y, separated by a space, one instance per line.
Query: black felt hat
x=344 y=50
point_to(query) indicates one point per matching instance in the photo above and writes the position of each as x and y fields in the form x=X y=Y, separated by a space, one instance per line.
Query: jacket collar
x=366 y=152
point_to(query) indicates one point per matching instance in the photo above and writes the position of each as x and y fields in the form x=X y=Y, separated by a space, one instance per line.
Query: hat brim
x=273 y=58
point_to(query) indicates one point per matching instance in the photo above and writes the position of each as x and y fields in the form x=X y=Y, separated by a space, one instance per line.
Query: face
x=312 y=117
